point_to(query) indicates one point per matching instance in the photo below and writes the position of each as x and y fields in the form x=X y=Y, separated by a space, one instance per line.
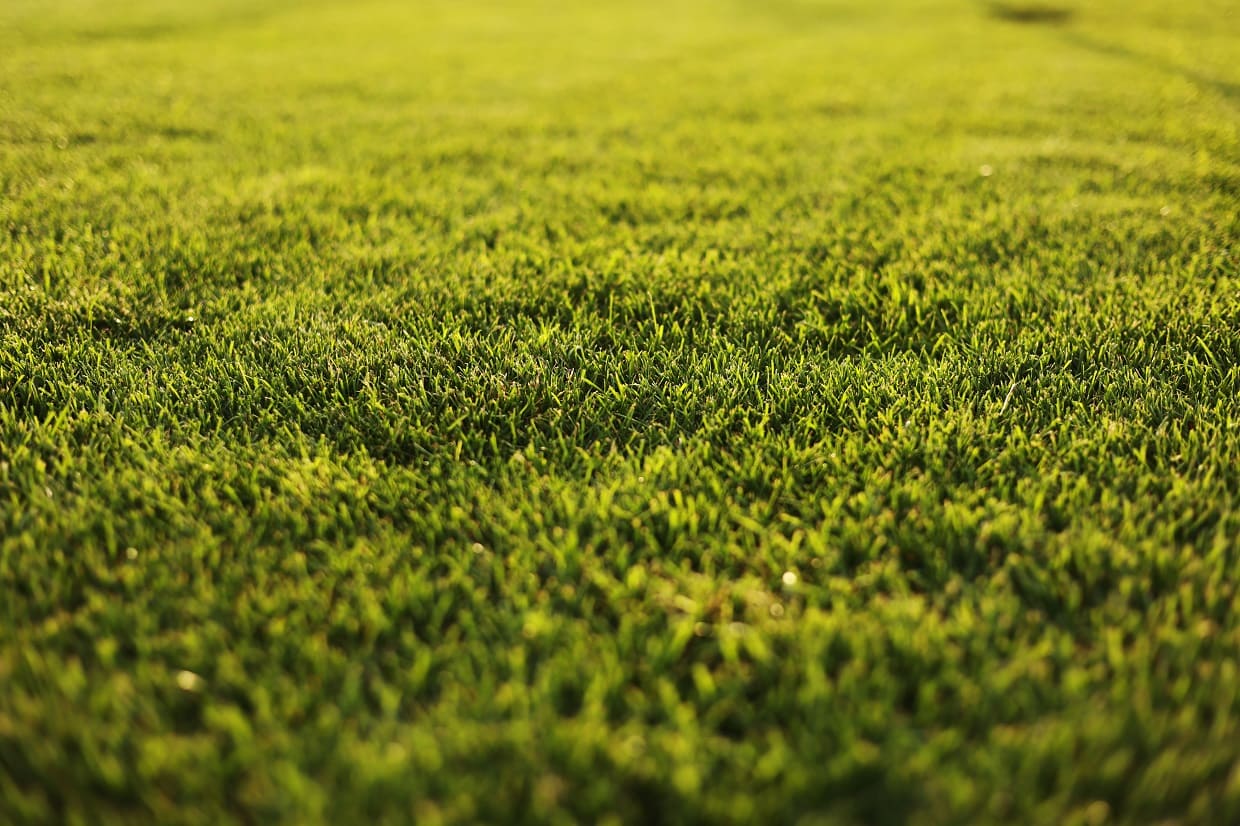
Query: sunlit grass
x=539 y=411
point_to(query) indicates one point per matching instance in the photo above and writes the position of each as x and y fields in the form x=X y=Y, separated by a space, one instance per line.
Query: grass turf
x=669 y=411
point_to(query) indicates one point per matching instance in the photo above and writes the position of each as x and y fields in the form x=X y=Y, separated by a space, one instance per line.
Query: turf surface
x=676 y=411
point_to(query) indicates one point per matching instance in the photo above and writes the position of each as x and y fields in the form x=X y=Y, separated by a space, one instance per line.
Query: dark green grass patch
x=818 y=412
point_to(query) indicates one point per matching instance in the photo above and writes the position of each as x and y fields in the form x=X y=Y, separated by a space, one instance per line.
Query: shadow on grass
x=1015 y=12
x=1227 y=89
x=1034 y=13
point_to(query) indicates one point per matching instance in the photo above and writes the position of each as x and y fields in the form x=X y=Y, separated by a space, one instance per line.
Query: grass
x=1025 y=12
x=791 y=411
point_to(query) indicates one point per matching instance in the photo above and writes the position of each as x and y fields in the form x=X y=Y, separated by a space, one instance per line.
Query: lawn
x=534 y=411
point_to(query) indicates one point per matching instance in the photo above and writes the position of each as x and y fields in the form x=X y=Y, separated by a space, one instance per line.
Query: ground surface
x=545 y=411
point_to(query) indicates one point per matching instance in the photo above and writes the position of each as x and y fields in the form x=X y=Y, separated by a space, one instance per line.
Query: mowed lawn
x=534 y=411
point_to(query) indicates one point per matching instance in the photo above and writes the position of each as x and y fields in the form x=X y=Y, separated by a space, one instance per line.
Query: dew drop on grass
x=131 y=553
x=1165 y=211
x=987 y=170
x=789 y=578
x=189 y=681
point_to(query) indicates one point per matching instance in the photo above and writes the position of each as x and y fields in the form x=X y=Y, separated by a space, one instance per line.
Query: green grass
x=678 y=411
